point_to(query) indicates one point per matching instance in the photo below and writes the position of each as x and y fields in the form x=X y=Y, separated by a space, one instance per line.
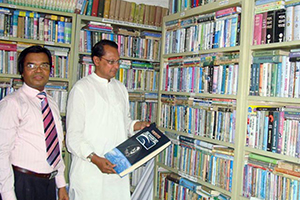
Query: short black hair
x=98 y=48
x=32 y=49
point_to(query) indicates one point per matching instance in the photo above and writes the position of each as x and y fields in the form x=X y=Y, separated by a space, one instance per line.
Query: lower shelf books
x=138 y=149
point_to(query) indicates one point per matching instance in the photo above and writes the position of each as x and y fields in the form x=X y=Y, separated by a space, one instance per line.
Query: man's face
x=38 y=77
x=107 y=66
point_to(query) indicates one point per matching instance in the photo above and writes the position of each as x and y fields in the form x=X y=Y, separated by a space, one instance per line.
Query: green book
x=89 y=8
x=263 y=158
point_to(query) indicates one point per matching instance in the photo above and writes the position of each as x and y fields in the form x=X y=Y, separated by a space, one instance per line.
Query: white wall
x=163 y=3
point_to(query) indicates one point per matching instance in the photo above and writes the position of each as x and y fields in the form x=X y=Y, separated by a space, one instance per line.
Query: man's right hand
x=103 y=164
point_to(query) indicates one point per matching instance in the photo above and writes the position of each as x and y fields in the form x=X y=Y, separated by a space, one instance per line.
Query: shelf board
x=193 y=53
x=32 y=9
x=141 y=91
x=195 y=179
x=59 y=79
x=120 y=23
x=218 y=142
x=10 y=76
x=31 y=41
x=208 y=8
x=277 y=45
x=124 y=58
x=273 y=99
x=273 y=155
x=200 y=95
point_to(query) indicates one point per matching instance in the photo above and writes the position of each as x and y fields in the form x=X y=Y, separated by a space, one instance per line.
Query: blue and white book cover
x=138 y=149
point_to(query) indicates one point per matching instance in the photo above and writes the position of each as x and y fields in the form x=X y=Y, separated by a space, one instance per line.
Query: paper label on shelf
x=182 y=14
x=225 y=2
x=12 y=6
x=49 y=42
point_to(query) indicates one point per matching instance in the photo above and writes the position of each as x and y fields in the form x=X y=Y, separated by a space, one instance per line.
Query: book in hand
x=138 y=149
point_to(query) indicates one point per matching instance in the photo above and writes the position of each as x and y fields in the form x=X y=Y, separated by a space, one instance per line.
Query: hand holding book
x=138 y=149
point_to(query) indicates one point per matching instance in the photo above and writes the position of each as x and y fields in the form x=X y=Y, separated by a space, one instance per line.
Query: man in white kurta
x=98 y=119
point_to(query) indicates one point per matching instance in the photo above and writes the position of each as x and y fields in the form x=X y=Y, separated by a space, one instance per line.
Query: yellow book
x=106 y=8
x=133 y=12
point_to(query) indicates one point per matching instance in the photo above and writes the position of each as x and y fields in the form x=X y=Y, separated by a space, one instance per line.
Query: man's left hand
x=140 y=125
x=62 y=194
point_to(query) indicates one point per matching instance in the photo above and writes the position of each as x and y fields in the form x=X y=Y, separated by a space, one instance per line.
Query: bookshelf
x=14 y=39
x=245 y=145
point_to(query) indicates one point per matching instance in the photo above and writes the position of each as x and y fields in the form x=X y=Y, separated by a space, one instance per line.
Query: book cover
x=280 y=25
x=100 y=9
x=270 y=27
x=94 y=10
x=106 y=8
x=138 y=149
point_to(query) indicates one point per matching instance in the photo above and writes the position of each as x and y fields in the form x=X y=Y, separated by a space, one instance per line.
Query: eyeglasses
x=44 y=66
x=112 y=62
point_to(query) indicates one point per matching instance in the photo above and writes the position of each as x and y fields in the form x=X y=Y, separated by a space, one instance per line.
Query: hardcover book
x=138 y=149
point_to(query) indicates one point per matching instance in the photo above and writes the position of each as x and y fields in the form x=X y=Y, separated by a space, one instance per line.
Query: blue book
x=265 y=141
x=201 y=80
x=261 y=2
x=217 y=34
x=188 y=184
x=61 y=32
x=88 y=41
x=225 y=70
x=263 y=184
x=137 y=150
x=234 y=21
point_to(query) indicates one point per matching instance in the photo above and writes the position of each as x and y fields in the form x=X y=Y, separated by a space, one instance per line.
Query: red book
x=8 y=47
x=95 y=8
x=257 y=29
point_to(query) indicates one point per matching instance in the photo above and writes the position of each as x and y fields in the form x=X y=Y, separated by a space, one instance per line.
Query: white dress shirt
x=22 y=138
x=98 y=119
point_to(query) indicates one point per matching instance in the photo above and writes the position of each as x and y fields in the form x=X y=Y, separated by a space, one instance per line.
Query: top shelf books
x=213 y=30
x=37 y=27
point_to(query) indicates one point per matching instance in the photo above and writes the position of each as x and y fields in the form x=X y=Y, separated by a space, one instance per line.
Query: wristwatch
x=89 y=158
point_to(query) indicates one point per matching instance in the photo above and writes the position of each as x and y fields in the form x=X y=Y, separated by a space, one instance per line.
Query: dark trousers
x=29 y=187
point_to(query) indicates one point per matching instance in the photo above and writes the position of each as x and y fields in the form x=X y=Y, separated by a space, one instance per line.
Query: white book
x=289 y=24
x=297 y=22
x=283 y=72
x=287 y=78
x=292 y=79
x=297 y=81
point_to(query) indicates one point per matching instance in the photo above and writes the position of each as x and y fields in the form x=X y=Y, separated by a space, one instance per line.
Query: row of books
x=58 y=90
x=182 y=5
x=197 y=77
x=199 y=160
x=138 y=76
x=145 y=111
x=35 y=26
x=9 y=53
x=208 y=31
x=134 y=75
x=276 y=74
x=211 y=121
x=121 y=10
x=267 y=178
x=173 y=186
x=276 y=21
x=274 y=129
x=130 y=46
x=57 y=5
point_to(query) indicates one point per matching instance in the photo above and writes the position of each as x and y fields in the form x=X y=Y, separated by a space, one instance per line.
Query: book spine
x=280 y=25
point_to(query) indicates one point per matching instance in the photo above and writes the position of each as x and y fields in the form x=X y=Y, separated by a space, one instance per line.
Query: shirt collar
x=29 y=91
x=99 y=79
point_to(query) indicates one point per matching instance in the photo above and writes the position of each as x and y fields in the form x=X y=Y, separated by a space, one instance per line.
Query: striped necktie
x=51 y=138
